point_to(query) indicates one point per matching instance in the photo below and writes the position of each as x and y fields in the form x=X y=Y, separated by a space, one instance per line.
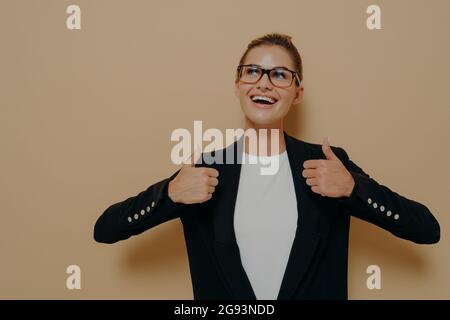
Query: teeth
x=254 y=98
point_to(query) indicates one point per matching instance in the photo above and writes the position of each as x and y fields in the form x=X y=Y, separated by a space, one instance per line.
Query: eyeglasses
x=280 y=77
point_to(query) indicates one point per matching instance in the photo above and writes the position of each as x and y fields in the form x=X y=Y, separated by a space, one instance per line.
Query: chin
x=261 y=118
x=262 y=121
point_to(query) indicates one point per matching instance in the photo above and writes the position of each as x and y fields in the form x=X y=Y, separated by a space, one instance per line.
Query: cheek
x=242 y=93
x=287 y=96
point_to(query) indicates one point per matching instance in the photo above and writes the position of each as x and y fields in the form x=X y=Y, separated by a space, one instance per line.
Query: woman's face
x=267 y=115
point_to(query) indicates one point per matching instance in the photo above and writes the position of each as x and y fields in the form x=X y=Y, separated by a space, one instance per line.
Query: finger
x=311 y=164
x=326 y=149
x=317 y=190
x=211 y=190
x=213 y=181
x=208 y=197
x=309 y=173
x=312 y=182
x=211 y=172
x=193 y=158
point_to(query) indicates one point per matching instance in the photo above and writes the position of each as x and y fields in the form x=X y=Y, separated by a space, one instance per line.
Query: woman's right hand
x=193 y=184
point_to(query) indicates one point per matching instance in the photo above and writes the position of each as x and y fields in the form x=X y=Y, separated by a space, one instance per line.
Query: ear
x=298 y=94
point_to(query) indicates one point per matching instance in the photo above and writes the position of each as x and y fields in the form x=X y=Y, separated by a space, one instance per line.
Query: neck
x=265 y=137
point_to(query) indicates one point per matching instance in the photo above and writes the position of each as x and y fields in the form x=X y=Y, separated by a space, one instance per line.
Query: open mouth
x=263 y=101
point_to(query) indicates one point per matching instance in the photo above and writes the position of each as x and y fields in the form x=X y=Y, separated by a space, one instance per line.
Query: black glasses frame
x=264 y=71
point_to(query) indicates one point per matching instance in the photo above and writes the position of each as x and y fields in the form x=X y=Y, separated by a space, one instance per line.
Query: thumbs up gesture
x=328 y=177
x=193 y=184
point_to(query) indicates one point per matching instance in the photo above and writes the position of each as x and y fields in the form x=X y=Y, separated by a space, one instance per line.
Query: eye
x=279 y=74
x=252 y=71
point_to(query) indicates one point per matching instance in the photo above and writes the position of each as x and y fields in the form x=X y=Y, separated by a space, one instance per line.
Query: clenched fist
x=193 y=184
x=328 y=177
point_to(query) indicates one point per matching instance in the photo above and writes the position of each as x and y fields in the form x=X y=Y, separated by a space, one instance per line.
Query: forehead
x=269 y=57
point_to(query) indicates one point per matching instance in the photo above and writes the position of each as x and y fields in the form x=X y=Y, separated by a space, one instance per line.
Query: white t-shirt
x=265 y=223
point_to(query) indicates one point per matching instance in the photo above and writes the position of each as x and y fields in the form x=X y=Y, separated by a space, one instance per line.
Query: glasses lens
x=281 y=77
x=250 y=74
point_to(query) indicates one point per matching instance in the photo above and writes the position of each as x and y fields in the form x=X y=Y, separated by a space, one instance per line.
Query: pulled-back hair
x=277 y=39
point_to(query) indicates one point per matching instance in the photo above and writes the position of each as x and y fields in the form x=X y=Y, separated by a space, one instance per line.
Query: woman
x=278 y=236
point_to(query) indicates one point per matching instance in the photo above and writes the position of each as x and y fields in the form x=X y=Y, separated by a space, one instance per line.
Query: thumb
x=193 y=158
x=327 y=149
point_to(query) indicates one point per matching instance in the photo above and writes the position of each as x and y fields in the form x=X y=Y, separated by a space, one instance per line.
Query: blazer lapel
x=306 y=238
x=225 y=245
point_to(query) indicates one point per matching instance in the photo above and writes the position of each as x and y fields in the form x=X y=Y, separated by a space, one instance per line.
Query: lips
x=262 y=101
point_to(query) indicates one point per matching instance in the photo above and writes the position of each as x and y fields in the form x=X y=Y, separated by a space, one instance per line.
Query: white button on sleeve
x=148 y=209
x=375 y=205
x=142 y=212
x=369 y=201
x=389 y=213
x=396 y=216
x=382 y=208
x=129 y=219
x=136 y=216
x=153 y=204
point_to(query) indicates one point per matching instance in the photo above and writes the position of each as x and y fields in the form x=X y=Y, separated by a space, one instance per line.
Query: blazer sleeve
x=377 y=204
x=137 y=214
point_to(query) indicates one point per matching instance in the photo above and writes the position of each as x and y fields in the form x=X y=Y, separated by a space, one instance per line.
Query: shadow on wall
x=369 y=242
x=160 y=250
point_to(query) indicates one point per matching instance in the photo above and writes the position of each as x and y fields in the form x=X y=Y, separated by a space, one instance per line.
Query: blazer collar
x=306 y=237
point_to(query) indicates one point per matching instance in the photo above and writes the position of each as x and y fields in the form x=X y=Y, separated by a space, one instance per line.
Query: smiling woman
x=279 y=236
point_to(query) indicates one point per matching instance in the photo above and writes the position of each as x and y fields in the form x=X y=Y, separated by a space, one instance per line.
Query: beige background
x=86 y=118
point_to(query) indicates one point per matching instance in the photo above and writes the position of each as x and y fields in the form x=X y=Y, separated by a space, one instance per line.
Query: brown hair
x=277 y=39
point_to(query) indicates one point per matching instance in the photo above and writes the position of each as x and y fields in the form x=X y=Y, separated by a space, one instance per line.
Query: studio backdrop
x=91 y=91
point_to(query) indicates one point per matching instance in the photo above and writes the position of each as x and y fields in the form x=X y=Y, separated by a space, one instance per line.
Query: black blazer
x=317 y=265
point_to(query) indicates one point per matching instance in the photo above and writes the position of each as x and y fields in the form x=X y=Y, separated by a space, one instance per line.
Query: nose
x=264 y=82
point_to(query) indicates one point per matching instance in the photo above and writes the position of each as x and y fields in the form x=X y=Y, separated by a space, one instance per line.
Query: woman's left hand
x=328 y=177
